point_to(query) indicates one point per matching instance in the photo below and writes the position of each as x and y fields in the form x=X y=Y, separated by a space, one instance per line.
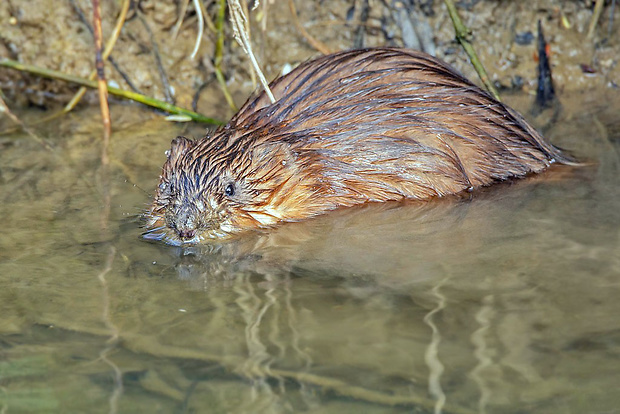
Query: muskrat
x=353 y=127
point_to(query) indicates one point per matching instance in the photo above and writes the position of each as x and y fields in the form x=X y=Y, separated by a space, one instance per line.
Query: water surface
x=506 y=302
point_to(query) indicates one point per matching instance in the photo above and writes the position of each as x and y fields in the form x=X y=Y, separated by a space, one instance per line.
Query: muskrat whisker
x=154 y=229
x=141 y=189
x=154 y=236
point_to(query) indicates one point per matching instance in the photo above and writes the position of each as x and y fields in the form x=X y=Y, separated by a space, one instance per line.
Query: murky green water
x=505 y=303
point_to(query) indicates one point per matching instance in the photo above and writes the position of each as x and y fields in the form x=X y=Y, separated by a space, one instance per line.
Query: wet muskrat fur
x=353 y=127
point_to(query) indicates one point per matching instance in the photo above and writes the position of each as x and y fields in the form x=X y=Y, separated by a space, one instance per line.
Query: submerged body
x=360 y=126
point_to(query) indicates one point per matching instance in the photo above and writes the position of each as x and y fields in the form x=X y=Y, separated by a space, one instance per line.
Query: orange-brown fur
x=360 y=126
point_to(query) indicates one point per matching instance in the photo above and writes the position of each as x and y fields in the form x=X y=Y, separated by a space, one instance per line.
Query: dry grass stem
x=206 y=17
x=102 y=85
x=177 y=26
x=248 y=28
x=240 y=22
x=106 y=53
x=167 y=89
x=596 y=14
x=201 y=28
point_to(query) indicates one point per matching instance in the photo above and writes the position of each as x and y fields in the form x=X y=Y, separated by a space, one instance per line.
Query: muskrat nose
x=187 y=234
x=184 y=223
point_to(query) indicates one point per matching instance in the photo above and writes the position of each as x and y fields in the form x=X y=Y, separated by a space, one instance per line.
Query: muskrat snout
x=190 y=219
x=184 y=222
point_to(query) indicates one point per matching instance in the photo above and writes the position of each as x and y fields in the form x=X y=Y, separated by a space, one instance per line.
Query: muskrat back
x=359 y=126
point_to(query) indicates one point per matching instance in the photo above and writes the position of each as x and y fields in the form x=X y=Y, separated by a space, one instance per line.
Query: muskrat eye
x=230 y=190
x=164 y=189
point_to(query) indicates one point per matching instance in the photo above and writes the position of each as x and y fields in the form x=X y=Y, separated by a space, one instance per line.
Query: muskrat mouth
x=166 y=227
x=184 y=234
x=174 y=229
x=172 y=236
x=187 y=234
x=185 y=223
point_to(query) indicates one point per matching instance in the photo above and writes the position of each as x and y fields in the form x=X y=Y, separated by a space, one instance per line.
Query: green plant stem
x=461 y=35
x=146 y=100
x=219 y=54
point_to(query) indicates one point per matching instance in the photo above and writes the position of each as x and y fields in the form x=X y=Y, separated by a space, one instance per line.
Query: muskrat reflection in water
x=353 y=127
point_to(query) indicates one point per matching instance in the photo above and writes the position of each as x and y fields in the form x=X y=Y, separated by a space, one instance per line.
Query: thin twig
x=462 y=33
x=611 y=18
x=240 y=21
x=106 y=54
x=318 y=45
x=109 y=57
x=146 y=100
x=4 y=108
x=196 y=96
x=360 y=31
x=206 y=16
x=101 y=83
x=160 y=67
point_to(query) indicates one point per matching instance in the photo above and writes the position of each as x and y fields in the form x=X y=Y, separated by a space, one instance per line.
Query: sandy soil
x=50 y=34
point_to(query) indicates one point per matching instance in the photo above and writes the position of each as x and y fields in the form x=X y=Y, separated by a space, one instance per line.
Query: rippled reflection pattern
x=504 y=301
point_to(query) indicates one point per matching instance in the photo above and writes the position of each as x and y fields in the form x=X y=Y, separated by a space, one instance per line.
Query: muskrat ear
x=269 y=152
x=178 y=147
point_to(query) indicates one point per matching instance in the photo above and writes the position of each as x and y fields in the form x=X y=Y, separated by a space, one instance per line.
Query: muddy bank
x=52 y=34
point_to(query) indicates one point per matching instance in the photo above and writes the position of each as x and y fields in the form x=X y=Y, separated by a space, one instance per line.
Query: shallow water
x=503 y=303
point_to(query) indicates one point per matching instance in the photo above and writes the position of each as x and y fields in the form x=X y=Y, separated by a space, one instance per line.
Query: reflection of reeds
x=266 y=313
x=483 y=352
x=431 y=356
x=112 y=343
x=253 y=310
x=260 y=313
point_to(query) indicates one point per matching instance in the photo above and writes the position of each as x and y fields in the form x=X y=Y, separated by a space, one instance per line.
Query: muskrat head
x=209 y=190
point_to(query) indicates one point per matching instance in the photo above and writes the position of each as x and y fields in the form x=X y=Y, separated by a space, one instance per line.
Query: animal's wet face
x=193 y=198
x=203 y=193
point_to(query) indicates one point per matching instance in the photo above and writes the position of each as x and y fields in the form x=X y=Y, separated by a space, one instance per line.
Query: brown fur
x=353 y=127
